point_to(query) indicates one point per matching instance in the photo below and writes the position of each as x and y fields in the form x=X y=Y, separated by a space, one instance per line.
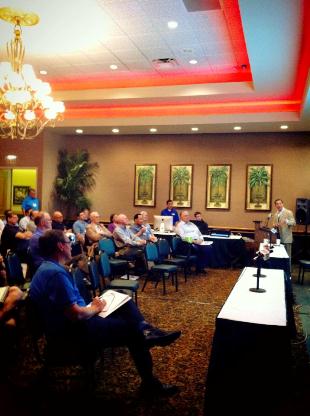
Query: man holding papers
x=54 y=292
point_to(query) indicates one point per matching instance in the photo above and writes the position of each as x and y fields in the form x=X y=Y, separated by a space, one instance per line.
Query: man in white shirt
x=190 y=233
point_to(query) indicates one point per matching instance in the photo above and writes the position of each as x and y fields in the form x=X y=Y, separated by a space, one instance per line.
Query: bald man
x=189 y=232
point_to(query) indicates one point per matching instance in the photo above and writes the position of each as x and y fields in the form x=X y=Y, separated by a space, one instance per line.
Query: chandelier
x=25 y=104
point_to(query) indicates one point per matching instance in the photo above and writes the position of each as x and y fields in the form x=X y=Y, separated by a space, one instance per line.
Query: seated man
x=43 y=223
x=61 y=306
x=96 y=231
x=130 y=247
x=141 y=229
x=201 y=224
x=190 y=233
x=79 y=227
x=170 y=211
x=13 y=239
x=58 y=221
x=24 y=221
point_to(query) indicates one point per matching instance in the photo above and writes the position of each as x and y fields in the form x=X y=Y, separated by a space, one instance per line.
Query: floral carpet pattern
x=193 y=310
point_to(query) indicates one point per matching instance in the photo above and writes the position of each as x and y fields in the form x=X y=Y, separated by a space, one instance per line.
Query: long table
x=251 y=346
x=227 y=251
x=278 y=259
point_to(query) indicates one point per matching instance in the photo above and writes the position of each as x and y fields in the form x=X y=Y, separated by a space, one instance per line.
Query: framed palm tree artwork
x=218 y=187
x=258 y=187
x=181 y=177
x=145 y=185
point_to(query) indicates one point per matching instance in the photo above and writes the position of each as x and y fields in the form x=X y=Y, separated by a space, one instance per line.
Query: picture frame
x=145 y=185
x=19 y=193
x=258 y=187
x=181 y=179
x=218 y=186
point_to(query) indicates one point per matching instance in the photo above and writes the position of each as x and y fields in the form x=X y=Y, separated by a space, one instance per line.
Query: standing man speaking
x=284 y=221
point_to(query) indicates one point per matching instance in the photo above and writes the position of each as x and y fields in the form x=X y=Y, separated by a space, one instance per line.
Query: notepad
x=114 y=300
x=3 y=294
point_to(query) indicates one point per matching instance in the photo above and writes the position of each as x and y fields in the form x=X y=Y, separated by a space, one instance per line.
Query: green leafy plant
x=258 y=181
x=75 y=177
x=219 y=178
x=145 y=180
x=180 y=180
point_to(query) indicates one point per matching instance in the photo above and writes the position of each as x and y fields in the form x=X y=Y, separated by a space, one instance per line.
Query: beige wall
x=289 y=153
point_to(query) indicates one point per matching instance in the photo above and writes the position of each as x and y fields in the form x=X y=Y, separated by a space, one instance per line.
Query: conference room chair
x=15 y=275
x=182 y=250
x=96 y=283
x=116 y=284
x=61 y=359
x=304 y=266
x=83 y=284
x=117 y=265
x=159 y=271
x=164 y=251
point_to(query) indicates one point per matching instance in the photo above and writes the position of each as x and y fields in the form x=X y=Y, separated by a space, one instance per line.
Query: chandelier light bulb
x=25 y=104
x=8 y=115
x=29 y=115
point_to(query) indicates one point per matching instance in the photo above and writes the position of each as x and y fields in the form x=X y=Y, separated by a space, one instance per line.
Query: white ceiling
x=252 y=84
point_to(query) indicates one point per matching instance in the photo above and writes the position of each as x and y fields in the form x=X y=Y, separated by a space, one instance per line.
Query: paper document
x=114 y=300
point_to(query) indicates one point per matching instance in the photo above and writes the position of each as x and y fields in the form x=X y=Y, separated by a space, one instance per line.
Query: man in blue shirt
x=62 y=309
x=31 y=202
x=170 y=211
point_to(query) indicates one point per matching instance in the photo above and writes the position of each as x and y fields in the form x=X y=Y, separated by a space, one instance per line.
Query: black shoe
x=157 y=337
x=157 y=388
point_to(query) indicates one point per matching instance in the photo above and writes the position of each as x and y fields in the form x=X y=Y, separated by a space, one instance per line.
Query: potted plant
x=75 y=177
x=218 y=183
x=258 y=181
x=145 y=183
x=180 y=181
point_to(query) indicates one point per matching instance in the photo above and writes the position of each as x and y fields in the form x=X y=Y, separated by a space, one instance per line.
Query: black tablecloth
x=227 y=253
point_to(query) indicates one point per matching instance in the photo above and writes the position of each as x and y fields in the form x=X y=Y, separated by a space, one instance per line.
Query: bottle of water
x=162 y=226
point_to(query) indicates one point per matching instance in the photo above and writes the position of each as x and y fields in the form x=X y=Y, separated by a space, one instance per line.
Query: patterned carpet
x=192 y=309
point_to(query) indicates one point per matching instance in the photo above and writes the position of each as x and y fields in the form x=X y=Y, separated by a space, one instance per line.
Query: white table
x=266 y=308
x=249 y=363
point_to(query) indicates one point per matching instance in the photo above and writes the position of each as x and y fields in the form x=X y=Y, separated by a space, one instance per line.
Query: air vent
x=201 y=5
x=165 y=63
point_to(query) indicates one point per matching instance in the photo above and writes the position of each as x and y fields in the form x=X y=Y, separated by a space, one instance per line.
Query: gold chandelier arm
x=16 y=50
x=25 y=104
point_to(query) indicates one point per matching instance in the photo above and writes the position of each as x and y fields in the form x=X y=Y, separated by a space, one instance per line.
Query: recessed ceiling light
x=237 y=128
x=79 y=131
x=115 y=130
x=195 y=128
x=113 y=66
x=284 y=127
x=43 y=72
x=11 y=157
x=193 y=62
x=153 y=130
x=172 y=24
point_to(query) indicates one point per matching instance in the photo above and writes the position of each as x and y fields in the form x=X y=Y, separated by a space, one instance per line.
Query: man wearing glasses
x=57 y=298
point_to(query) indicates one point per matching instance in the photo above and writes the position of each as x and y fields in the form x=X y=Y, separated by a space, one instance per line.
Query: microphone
x=268 y=219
